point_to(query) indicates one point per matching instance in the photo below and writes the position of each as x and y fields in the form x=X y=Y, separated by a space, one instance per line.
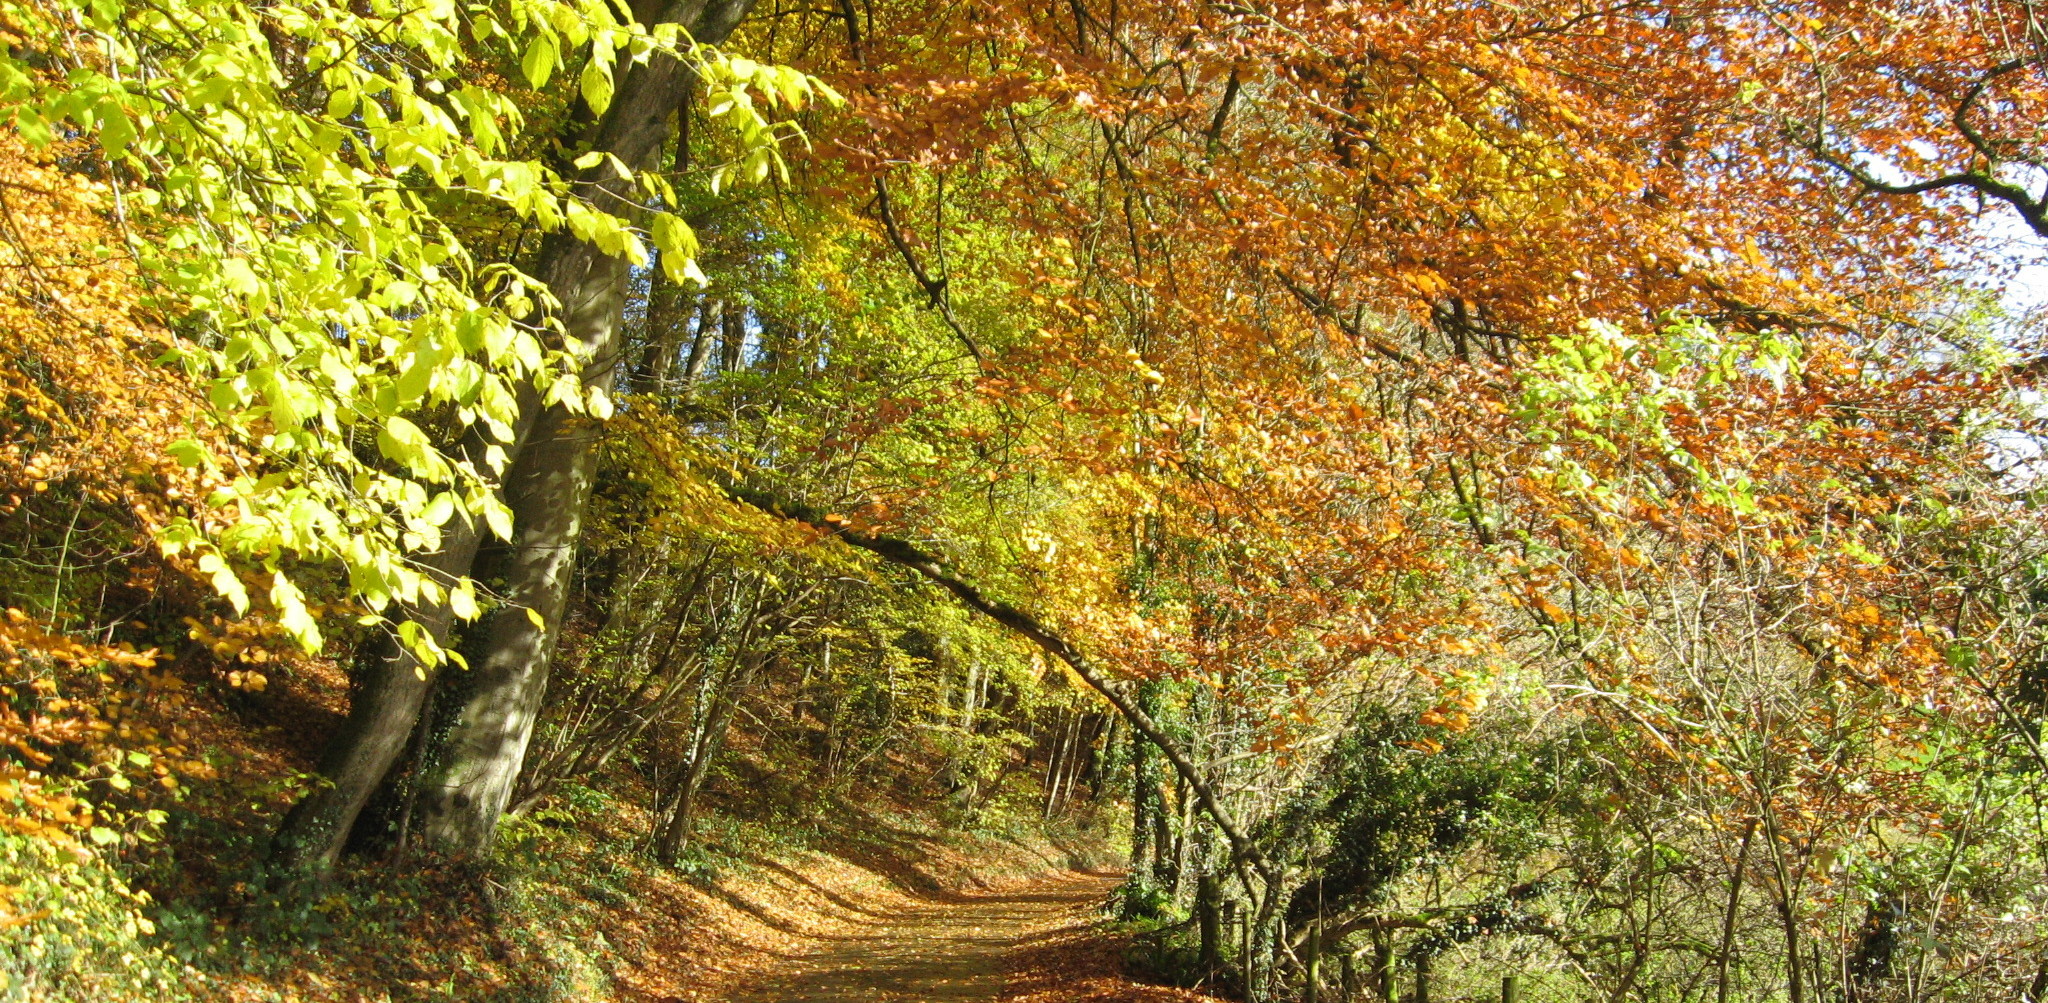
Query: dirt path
x=956 y=949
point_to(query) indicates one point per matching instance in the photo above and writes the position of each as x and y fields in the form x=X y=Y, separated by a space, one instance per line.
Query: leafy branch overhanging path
x=1243 y=850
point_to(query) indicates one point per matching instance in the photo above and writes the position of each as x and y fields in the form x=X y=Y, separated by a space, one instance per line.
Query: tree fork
x=386 y=702
x=467 y=791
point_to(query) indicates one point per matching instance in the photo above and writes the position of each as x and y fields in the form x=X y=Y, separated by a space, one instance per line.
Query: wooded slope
x=1452 y=490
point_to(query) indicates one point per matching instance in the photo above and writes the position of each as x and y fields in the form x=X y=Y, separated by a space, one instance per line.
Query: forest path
x=955 y=948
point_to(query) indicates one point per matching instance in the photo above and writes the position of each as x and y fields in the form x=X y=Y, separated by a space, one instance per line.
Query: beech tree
x=1543 y=485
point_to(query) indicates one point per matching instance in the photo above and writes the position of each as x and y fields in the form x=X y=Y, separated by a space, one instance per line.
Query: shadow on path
x=952 y=949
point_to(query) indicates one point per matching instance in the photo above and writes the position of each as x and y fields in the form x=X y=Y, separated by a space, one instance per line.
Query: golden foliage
x=83 y=402
x=86 y=415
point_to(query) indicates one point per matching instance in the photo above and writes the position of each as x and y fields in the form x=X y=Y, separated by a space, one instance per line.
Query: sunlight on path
x=942 y=950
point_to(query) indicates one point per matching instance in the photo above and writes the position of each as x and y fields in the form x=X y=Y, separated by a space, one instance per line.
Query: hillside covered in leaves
x=595 y=499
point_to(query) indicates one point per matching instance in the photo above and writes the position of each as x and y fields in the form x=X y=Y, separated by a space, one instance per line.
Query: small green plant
x=1138 y=901
x=84 y=934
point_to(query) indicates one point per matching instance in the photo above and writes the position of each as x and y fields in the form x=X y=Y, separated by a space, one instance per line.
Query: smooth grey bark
x=391 y=688
x=479 y=758
x=471 y=780
x=389 y=692
x=700 y=349
x=732 y=338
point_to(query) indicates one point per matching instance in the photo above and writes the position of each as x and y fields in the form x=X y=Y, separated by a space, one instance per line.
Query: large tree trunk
x=478 y=761
x=390 y=689
x=388 y=694
x=391 y=686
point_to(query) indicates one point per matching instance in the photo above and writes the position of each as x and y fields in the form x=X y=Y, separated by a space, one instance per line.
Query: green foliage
x=1141 y=900
x=288 y=188
x=84 y=935
x=1383 y=808
x=1611 y=391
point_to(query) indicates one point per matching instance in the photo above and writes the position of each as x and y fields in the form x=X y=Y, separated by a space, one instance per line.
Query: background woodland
x=1439 y=491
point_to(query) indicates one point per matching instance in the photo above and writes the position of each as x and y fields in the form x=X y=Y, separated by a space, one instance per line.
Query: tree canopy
x=1547 y=486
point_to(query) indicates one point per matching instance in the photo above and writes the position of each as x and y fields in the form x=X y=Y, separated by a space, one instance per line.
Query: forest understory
x=1409 y=501
x=572 y=907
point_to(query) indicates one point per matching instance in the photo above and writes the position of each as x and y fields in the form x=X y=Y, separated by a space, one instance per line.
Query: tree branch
x=934 y=289
x=909 y=555
x=1321 y=308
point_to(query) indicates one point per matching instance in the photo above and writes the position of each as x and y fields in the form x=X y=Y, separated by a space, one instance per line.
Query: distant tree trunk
x=1055 y=766
x=1262 y=961
x=700 y=347
x=1207 y=912
x=666 y=321
x=1246 y=955
x=732 y=338
x=1383 y=965
x=466 y=790
x=674 y=824
x=1095 y=758
x=1080 y=752
x=1143 y=787
x=1728 y=917
x=707 y=740
x=1184 y=824
x=969 y=694
x=679 y=823
x=667 y=325
x=1312 y=967
x=1162 y=839
x=1788 y=918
